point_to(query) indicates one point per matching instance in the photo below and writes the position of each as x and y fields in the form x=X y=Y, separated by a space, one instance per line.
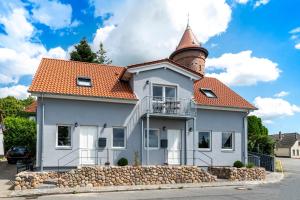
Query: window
x=297 y=152
x=227 y=141
x=170 y=93
x=294 y=152
x=84 y=81
x=153 y=138
x=157 y=93
x=298 y=143
x=204 y=140
x=160 y=92
x=63 y=136
x=208 y=92
x=118 y=138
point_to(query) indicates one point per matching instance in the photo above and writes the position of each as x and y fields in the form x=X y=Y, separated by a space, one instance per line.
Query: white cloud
x=282 y=94
x=242 y=1
x=271 y=108
x=18 y=91
x=19 y=54
x=295 y=30
x=54 y=14
x=242 y=69
x=146 y=30
x=297 y=46
x=260 y=3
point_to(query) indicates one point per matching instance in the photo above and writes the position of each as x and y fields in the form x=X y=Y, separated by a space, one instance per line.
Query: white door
x=88 y=141
x=174 y=147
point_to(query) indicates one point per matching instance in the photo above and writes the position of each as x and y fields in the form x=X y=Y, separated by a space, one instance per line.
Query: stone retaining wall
x=31 y=180
x=238 y=174
x=132 y=175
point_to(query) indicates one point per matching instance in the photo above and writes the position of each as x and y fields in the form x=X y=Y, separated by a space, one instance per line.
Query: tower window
x=84 y=81
x=208 y=92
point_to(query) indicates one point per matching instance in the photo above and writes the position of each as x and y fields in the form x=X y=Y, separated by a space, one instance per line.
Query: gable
x=164 y=64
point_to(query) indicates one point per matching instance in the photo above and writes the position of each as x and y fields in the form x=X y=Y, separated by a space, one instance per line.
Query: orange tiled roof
x=225 y=96
x=59 y=77
x=31 y=108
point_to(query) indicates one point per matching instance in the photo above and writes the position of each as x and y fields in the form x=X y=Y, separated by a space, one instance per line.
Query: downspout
x=42 y=134
x=194 y=144
x=142 y=146
x=245 y=127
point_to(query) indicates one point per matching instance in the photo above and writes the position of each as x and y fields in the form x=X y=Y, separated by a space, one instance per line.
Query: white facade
x=1 y=142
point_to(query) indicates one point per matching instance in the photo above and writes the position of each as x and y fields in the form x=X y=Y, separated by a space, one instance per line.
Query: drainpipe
x=148 y=138
x=245 y=126
x=42 y=134
x=142 y=149
x=194 y=133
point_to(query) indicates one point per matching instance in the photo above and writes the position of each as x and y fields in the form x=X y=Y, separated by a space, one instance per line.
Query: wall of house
x=282 y=152
x=165 y=77
x=295 y=150
x=217 y=122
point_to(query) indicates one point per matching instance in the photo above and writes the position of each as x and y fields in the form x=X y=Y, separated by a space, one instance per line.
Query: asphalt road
x=287 y=189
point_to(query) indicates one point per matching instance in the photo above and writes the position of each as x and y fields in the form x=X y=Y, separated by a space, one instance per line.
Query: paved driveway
x=7 y=173
x=288 y=189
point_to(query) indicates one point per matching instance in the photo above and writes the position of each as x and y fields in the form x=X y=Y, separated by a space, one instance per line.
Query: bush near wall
x=19 y=132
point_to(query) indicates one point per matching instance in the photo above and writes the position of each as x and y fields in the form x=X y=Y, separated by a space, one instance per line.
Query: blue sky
x=254 y=45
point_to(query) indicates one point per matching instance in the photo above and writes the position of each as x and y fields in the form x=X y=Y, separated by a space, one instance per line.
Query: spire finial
x=188 y=21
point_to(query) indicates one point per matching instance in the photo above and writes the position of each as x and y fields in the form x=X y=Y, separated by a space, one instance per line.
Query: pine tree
x=83 y=52
x=101 y=56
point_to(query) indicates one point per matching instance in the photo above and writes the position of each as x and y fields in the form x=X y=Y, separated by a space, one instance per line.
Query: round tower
x=189 y=52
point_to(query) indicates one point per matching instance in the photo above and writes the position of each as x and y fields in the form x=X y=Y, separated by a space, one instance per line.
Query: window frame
x=71 y=137
x=164 y=90
x=203 y=90
x=158 y=142
x=232 y=141
x=125 y=137
x=83 y=77
x=210 y=141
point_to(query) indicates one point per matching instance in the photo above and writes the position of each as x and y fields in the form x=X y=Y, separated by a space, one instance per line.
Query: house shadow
x=7 y=173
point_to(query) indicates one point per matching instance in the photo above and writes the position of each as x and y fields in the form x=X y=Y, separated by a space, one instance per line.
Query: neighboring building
x=166 y=111
x=31 y=111
x=287 y=145
x=1 y=135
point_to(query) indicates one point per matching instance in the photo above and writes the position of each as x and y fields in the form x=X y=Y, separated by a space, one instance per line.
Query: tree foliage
x=83 y=52
x=12 y=107
x=101 y=56
x=258 y=139
x=19 y=132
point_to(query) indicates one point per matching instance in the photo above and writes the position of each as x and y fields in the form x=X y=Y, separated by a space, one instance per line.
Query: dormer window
x=208 y=92
x=84 y=81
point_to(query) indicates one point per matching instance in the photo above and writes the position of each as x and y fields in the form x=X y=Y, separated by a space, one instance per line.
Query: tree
x=19 y=132
x=101 y=56
x=12 y=107
x=258 y=138
x=83 y=52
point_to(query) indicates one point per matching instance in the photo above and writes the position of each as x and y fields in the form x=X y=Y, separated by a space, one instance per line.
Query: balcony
x=168 y=106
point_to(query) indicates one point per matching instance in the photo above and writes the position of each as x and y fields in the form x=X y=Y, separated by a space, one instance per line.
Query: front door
x=174 y=147
x=88 y=138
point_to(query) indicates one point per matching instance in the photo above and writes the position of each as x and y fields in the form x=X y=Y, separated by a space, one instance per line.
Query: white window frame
x=233 y=141
x=112 y=137
x=164 y=90
x=144 y=135
x=71 y=139
x=210 y=141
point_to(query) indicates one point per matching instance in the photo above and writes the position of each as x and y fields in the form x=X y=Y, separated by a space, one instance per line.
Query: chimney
x=280 y=135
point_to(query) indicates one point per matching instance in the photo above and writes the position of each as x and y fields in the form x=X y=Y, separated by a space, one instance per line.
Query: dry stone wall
x=133 y=175
x=31 y=180
x=238 y=174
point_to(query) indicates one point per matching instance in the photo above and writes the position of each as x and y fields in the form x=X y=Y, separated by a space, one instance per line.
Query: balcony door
x=163 y=98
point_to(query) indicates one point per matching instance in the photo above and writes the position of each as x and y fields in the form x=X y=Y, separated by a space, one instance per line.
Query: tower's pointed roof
x=188 y=39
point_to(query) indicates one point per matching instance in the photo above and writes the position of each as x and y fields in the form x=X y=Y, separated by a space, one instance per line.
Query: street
x=289 y=188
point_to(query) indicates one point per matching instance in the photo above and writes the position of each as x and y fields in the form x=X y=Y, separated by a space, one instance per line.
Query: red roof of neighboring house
x=59 y=77
x=31 y=108
x=225 y=96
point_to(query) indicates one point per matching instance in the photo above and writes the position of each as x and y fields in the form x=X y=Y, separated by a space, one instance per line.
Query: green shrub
x=238 y=164
x=122 y=162
x=250 y=165
x=19 y=132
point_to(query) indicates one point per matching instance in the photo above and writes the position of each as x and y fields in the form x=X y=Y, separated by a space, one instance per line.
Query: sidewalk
x=271 y=178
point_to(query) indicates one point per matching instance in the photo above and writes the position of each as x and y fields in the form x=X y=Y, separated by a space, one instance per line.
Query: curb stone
x=276 y=177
